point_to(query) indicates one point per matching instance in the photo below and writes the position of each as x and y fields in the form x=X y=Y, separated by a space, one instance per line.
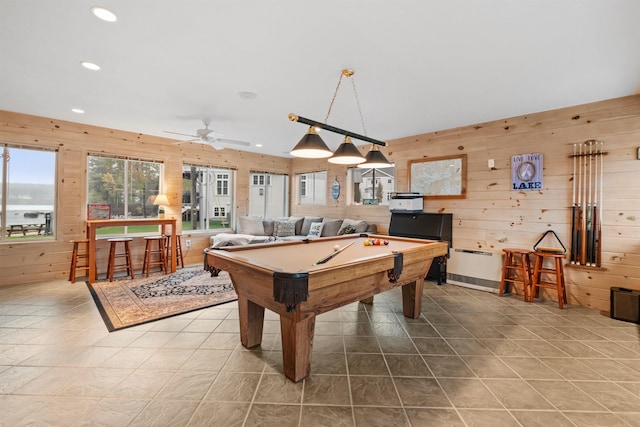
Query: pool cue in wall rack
x=586 y=205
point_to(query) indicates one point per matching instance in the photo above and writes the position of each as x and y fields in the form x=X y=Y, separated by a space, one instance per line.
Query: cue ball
x=336 y=248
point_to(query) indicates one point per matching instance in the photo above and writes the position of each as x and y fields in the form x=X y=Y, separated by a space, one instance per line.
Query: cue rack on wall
x=586 y=207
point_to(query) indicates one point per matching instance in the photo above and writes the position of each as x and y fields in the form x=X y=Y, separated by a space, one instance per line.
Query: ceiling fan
x=210 y=137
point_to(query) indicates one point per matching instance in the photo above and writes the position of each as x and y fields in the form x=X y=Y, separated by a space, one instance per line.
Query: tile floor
x=472 y=359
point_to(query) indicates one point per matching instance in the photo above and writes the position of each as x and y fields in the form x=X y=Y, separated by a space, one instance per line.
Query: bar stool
x=556 y=269
x=516 y=270
x=76 y=256
x=150 y=252
x=113 y=254
x=178 y=251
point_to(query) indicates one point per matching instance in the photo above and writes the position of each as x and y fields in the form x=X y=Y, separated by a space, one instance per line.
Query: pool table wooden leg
x=412 y=299
x=297 y=343
x=251 y=322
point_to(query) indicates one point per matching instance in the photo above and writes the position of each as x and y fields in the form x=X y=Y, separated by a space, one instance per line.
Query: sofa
x=257 y=230
x=252 y=230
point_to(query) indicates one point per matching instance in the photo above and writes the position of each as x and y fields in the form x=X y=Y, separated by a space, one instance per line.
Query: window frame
x=268 y=194
x=127 y=194
x=383 y=179
x=219 y=174
x=24 y=232
x=222 y=184
x=308 y=184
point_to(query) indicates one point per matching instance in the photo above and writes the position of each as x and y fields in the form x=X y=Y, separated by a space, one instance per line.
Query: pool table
x=297 y=281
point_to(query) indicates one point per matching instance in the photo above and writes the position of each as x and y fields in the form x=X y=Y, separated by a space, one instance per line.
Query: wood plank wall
x=33 y=261
x=493 y=217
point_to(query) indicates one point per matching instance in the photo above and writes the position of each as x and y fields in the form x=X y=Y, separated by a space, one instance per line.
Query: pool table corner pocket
x=290 y=289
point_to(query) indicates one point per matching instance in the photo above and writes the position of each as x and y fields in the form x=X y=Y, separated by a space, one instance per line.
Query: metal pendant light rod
x=300 y=119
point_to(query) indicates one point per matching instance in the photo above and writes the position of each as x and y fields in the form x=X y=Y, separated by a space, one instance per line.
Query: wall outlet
x=491 y=163
x=188 y=244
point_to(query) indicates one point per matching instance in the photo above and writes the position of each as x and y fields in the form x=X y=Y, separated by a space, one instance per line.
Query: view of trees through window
x=126 y=187
x=207 y=197
x=27 y=192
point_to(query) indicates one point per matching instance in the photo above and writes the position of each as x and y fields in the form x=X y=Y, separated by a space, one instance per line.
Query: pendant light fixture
x=312 y=146
x=375 y=159
x=346 y=154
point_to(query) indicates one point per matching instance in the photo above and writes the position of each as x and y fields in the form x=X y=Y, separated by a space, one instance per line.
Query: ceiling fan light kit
x=312 y=146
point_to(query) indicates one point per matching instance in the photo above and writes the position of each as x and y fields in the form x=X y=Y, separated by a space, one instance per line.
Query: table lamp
x=161 y=201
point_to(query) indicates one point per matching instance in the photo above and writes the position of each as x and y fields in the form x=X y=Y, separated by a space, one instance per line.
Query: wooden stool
x=159 y=252
x=113 y=254
x=556 y=270
x=76 y=256
x=516 y=270
x=178 y=251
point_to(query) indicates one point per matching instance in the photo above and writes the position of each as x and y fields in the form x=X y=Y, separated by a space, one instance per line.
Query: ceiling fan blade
x=194 y=140
x=234 y=142
x=183 y=134
x=215 y=144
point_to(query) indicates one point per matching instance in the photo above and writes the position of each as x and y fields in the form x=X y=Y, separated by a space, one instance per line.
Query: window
x=207 y=197
x=268 y=195
x=222 y=184
x=27 y=193
x=370 y=186
x=127 y=186
x=303 y=185
x=312 y=188
x=260 y=179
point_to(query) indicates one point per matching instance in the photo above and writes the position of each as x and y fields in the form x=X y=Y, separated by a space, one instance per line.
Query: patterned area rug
x=128 y=302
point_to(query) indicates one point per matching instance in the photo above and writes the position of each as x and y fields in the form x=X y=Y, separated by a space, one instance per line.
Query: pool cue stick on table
x=327 y=258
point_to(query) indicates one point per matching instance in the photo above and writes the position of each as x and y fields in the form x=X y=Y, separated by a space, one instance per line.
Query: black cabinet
x=432 y=226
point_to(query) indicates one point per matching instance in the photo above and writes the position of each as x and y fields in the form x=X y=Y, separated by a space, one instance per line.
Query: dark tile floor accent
x=472 y=359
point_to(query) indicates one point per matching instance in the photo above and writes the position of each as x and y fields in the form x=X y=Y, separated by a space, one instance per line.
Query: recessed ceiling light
x=104 y=14
x=258 y=145
x=90 y=65
x=77 y=110
x=247 y=96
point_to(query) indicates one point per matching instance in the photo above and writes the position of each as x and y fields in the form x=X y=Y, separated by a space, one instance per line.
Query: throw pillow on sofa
x=330 y=227
x=284 y=228
x=358 y=226
x=315 y=229
x=253 y=226
x=268 y=225
x=297 y=220
x=346 y=230
x=306 y=224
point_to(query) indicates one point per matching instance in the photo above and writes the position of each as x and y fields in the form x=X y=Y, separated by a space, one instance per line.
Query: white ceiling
x=420 y=65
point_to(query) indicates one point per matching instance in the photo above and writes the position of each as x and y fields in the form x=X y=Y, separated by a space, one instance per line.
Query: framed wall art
x=526 y=172
x=439 y=177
